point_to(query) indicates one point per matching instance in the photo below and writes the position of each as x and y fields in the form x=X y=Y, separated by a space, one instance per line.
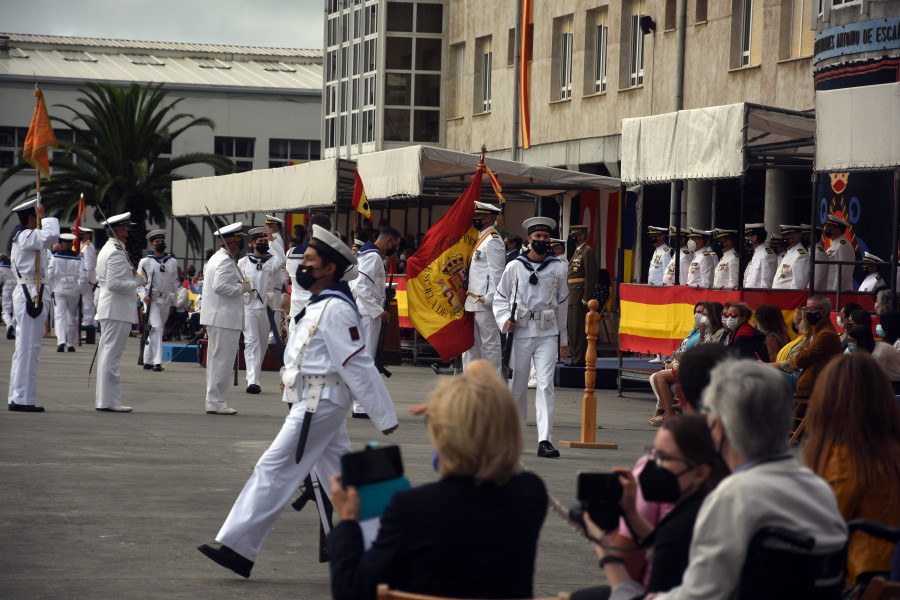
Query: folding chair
x=880 y=588
x=800 y=405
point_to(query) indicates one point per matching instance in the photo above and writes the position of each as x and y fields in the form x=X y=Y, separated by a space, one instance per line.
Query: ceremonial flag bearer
x=161 y=270
x=66 y=275
x=485 y=270
x=326 y=364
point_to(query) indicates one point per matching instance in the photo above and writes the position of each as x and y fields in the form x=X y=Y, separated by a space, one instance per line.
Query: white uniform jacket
x=264 y=274
x=89 y=257
x=26 y=244
x=726 y=276
x=793 y=270
x=485 y=270
x=163 y=272
x=117 y=284
x=658 y=263
x=368 y=288
x=872 y=283
x=336 y=347
x=282 y=280
x=66 y=273
x=840 y=250
x=822 y=268
x=541 y=309
x=223 y=305
x=686 y=258
x=761 y=270
x=299 y=296
x=703 y=268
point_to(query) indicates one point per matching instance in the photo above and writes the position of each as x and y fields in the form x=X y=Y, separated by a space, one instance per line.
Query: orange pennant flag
x=498 y=189
x=360 y=204
x=40 y=137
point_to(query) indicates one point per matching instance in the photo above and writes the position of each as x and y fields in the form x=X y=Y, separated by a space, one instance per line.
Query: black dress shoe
x=71 y=348
x=253 y=389
x=147 y=366
x=157 y=367
x=228 y=558
x=546 y=450
x=25 y=407
x=61 y=348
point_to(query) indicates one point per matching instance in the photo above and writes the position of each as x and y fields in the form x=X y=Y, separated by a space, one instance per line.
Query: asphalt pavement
x=112 y=505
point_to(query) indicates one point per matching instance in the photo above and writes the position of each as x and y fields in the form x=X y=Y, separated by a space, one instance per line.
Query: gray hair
x=884 y=298
x=754 y=404
x=821 y=302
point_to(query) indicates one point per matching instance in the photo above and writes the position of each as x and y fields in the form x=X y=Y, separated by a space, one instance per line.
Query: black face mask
x=718 y=247
x=476 y=223
x=160 y=247
x=390 y=251
x=813 y=318
x=262 y=248
x=305 y=277
x=796 y=328
x=659 y=484
x=540 y=246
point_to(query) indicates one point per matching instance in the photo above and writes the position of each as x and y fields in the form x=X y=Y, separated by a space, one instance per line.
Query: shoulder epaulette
x=843 y=242
x=801 y=251
x=494 y=234
x=769 y=251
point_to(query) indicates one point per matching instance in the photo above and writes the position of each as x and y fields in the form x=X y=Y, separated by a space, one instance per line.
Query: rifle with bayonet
x=379 y=355
x=145 y=326
x=505 y=369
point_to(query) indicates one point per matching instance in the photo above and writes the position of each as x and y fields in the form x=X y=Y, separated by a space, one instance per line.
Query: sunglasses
x=729 y=315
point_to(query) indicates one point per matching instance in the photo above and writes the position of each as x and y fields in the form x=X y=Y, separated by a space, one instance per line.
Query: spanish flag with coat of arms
x=437 y=276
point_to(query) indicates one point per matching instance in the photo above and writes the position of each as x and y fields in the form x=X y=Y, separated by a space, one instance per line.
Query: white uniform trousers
x=88 y=311
x=113 y=337
x=256 y=341
x=23 y=376
x=158 y=314
x=66 y=318
x=9 y=315
x=371 y=331
x=220 y=355
x=277 y=476
x=544 y=352
x=487 y=340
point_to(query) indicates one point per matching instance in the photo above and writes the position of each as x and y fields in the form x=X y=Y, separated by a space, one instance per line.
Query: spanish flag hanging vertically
x=360 y=204
x=526 y=31
x=40 y=137
x=81 y=214
x=437 y=276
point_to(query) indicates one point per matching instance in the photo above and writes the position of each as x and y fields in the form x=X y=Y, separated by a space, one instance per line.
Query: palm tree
x=119 y=138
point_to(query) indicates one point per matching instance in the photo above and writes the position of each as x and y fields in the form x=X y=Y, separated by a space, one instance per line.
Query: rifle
x=145 y=326
x=379 y=355
x=505 y=369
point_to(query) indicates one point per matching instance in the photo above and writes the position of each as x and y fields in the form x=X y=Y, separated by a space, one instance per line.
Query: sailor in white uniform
x=840 y=249
x=727 y=270
x=66 y=275
x=761 y=269
x=293 y=260
x=660 y=259
x=161 y=270
x=873 y=281
x=536 y=283
x=703 y=265
x=8 y=279
x=793 y=269
x=326 y=364
x=116 y=311
x=485 y=269
x=30 y=251
x=684 y=256
x=89 y=258
x=262 y=269
x=274 y=227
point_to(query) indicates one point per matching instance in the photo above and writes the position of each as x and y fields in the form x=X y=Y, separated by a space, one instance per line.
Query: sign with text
x=866 y=36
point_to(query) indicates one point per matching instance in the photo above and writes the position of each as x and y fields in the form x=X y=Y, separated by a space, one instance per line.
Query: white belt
x=68 y=280
x=535 y=315
x=321 y=381
x=26 y=281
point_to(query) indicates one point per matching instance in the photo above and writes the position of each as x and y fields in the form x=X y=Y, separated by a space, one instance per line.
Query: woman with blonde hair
x=853 y=443
x=473 y=533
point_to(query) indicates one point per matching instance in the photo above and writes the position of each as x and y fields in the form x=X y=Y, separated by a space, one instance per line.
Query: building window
x=636 y=57
x=751 y=32
x=144 y=59
x=12 y=140
x=511 y=48
x=700 y=12
x=67 y=136
x=76 y=56
x=802 y=34
x=596 y=41
x=840 y=3
x=238 y=149
x=670 y=15
x=457 y=79
x=562 y=61
x=210 y=63
x=284 y=153
x=484 y=58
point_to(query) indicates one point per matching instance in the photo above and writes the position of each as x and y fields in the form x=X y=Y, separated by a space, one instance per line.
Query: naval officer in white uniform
x=727 y=271
x=703 y=264
x=793 y=269
x=684 y=255
x=161 y=270
x=660 y=258
x=873 y=281
x=839 y=250
x=485 y=270
x=761 y=269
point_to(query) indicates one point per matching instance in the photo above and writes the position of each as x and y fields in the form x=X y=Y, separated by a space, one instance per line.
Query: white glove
x=270 y=300
x=246 y=286
x=140 y=280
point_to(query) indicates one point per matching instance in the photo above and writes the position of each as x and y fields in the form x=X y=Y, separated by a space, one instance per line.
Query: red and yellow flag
x=40 y=137
x=437 y=276
x=360 y=204
x=498 y=189
x=526 y=32
x=81 y=214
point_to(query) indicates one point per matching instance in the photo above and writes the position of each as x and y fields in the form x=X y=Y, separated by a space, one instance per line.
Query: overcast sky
x=274 y=23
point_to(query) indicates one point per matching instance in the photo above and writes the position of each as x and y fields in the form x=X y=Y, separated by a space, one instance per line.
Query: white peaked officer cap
x=274 y=219
x=866 y=257
x=483 y=208
x=539 y=224
x=838 y=220
x=699 y=232
x=231 y=230
x=256 y=232
x=85 y=230
x=67 y=237
x=156 y=233
x=331 y=246
x=806 y=227
x=117 y=220
x=25 y=205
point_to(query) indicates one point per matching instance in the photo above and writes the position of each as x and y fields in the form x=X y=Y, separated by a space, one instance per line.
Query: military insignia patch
x=354 y=334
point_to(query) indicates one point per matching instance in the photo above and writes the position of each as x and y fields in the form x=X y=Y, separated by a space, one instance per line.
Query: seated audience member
x=822 y=343
x=883 y=302
x=749 y=342
x=889 y=328
x=845 y=322
x=749 y=415
x=713 y=322
x=853 y=442
x=693 y=373
x=860 y=317
x=770 y=321
x=474 y=533
x=682 y=468
x=887 y=357
x=783 y=359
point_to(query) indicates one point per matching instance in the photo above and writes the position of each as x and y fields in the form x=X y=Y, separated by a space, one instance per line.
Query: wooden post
x=589 y=401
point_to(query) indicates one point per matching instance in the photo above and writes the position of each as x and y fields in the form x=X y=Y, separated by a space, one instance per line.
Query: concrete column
x=699 y=203
x=778 y=200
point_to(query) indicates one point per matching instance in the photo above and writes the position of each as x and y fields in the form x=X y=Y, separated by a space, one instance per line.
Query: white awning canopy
x=406 y=172
x=310 y=185
x=717 y=142
x=858 y=128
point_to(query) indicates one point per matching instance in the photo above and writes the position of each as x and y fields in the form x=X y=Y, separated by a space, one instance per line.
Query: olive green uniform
x=582 y=279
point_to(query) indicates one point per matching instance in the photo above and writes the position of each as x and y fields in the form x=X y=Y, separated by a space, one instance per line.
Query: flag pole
x=39 y=251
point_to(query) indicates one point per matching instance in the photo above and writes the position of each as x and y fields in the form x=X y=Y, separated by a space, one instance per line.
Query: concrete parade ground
x=113 y=505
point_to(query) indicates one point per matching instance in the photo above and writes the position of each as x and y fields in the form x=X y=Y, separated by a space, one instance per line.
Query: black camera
x=598 y=494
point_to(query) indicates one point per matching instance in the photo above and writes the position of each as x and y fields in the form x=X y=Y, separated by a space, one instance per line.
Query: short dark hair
x=515 y=240
x=390 y=232
x=848 y=308
x=320 y=219
x=861 y=317
x=890 y=323
x=24 y=214
x=691 y=435
x=863 y=336
x=694 y=369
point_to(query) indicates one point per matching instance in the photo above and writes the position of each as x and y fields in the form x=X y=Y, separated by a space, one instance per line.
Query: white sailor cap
x=837 y=220
x=85 y=230
x=651 y=230
x=699 y=232
x=539 y=224
x=231 y=230
x=723 y=232
x=67 y=237
x=867 y=257
x=156 y=233
x=274 y=219
x=331 y=246
x=358 y=242
x=483 y=208
x=28 y=204
x=118 y=220
x=256 y=232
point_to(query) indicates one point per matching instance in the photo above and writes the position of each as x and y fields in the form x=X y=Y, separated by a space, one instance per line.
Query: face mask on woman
x=704 y=319
x=731 y=322
x=879 y=330
x=698 y=317
x=658 y=484
x=851 y=347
